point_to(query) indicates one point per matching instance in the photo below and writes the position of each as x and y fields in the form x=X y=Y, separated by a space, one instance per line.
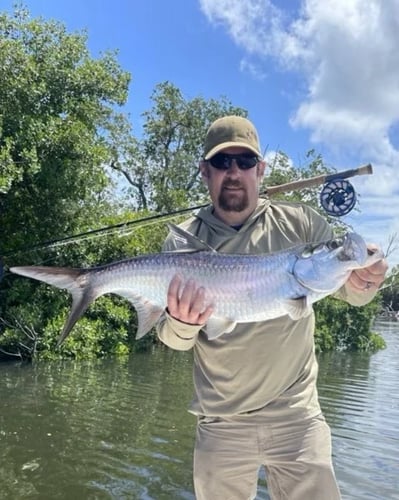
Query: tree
x=390 y=291
x=56 y=107
x=162 y=167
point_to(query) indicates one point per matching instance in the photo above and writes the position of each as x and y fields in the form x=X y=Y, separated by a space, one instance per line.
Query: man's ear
x=204 y=170
x=261 y=168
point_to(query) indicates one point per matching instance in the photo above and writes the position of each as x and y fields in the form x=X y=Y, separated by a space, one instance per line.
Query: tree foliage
x=344 y=327
x=390 y=291
x=162 y=167
x=56 y=104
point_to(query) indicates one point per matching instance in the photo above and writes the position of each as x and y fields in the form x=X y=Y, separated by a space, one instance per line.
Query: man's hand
x=187 y=303
x=368 y=278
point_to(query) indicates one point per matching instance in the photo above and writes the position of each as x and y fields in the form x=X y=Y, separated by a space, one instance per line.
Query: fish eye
x=334 y=244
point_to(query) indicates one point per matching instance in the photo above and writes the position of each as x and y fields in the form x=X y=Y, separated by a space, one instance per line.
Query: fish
x=240 y=287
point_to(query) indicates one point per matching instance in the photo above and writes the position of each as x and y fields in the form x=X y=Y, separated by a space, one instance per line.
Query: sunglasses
x=223 y=161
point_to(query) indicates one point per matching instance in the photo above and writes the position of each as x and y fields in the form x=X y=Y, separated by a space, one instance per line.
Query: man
x=255 y=388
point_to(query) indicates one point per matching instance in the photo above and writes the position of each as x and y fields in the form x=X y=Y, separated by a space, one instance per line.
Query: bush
x=344 y=327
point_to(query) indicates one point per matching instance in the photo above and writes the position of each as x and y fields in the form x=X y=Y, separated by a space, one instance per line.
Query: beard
x=233 y=201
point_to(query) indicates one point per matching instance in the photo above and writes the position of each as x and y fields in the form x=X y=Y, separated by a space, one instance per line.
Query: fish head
x=324 y=267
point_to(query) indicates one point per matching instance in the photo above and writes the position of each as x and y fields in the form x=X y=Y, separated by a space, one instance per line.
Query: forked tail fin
x=76 y=281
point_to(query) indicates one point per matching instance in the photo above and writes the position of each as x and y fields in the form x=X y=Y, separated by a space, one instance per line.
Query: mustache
x=232 y=184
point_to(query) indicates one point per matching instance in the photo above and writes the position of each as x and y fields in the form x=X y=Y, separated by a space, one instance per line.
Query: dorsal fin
x=187 y=241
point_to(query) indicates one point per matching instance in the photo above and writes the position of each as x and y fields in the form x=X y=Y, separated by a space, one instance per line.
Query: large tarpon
x=241 y=288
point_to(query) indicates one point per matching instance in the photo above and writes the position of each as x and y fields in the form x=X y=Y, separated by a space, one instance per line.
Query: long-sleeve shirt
x=264 y=368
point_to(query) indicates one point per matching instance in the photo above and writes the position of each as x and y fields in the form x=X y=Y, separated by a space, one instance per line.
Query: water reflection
x=119 y=429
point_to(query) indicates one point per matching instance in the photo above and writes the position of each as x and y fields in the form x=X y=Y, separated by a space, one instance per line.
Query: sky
x=312 y=74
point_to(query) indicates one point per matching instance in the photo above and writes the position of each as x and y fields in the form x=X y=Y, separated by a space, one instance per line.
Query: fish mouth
x=353 y=248
x=321 y=267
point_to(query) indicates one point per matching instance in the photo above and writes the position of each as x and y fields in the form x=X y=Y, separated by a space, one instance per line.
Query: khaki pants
x=296 y=455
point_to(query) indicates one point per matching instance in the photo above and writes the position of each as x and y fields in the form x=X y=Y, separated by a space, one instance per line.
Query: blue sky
x=312 y=74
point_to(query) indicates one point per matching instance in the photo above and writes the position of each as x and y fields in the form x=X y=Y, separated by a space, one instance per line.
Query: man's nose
x=234 y=168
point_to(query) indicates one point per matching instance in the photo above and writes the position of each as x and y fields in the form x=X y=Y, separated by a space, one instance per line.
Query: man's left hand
x=368 y=278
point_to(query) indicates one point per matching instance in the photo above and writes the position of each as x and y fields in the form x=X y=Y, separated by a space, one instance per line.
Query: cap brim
x=225 y=145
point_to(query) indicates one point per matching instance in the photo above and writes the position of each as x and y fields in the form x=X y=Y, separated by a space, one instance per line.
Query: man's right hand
x=186 y=302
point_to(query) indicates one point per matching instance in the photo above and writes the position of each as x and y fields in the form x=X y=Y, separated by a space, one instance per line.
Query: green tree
x=390 y=291
x=162 y=167
x=341 y=326
x=56 y=107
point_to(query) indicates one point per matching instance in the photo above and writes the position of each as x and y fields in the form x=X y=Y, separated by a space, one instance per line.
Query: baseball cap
x=231 y=131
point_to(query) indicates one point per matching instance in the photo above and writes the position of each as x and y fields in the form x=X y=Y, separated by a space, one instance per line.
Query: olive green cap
x=231 y=131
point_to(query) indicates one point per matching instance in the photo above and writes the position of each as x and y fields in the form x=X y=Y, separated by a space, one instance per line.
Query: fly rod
x=337 y=198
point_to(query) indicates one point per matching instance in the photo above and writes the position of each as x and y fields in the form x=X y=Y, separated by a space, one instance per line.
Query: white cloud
x=347 y=53
x=253 y=24
x=255 y=70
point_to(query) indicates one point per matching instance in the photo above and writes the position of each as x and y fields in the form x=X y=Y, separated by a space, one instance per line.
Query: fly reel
x=338 y=197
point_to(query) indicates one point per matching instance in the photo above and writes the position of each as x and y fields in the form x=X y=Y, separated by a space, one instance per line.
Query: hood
x=206 y=215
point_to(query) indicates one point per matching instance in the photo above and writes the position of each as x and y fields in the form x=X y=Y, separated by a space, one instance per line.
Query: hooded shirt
x=266 y=368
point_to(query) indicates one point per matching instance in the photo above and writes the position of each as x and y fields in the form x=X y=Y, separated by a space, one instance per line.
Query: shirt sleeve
x=354 y=298
x=176 y=334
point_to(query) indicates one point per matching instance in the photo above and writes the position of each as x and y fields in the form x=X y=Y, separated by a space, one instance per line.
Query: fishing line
x=87 y=235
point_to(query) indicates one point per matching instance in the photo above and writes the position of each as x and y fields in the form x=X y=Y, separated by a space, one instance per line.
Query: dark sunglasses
x=223 y=161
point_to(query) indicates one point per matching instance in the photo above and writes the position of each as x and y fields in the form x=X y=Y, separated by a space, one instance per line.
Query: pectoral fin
x=215 y=327
x=148 y=314
x=298 y=308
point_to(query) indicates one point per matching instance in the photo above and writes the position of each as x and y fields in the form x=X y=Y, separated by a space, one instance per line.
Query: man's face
x=233 y=190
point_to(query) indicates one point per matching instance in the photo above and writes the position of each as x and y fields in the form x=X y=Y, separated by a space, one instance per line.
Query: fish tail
x=76 y=281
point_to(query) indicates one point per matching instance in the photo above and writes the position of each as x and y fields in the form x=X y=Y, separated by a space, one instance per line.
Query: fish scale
x=234 y=288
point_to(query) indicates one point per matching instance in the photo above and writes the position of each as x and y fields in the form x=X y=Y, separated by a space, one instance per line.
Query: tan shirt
x=263 y=368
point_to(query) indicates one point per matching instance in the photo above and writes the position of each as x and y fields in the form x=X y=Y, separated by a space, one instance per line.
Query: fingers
x=173 y=295
x=360 y=283
x=369 y=278
x=187 y=302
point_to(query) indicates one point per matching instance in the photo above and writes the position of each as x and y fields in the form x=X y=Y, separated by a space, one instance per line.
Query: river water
x=119 y=429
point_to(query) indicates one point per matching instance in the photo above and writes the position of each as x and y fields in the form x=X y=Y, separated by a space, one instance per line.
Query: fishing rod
x=337 y=198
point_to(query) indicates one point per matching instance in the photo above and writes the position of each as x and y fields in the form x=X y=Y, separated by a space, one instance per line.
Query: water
x=119 y=429
x=360 y=399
